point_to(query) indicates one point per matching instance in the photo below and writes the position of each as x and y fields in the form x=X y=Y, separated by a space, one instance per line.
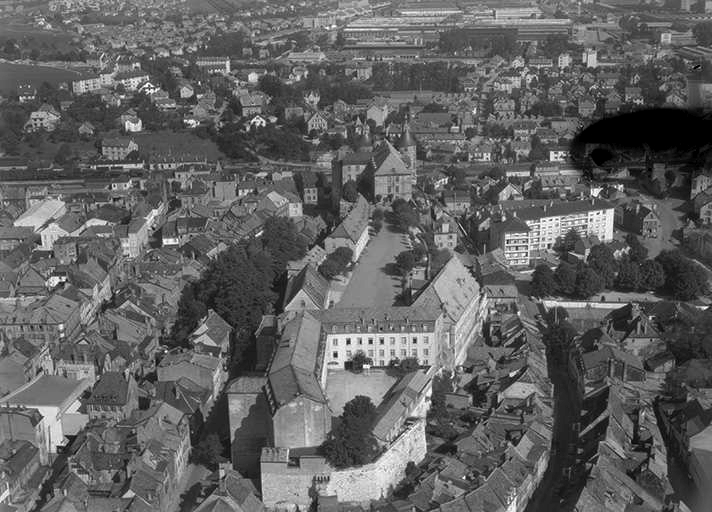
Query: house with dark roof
x=353 y=230
x=296 y=379
x=638 y=219
x=308 y=290
x=234 y=493
x=205 y=370
x=114 y=397
x=212 y=335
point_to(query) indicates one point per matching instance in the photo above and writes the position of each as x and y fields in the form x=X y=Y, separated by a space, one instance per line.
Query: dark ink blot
x=665 y=134
x=600 y=156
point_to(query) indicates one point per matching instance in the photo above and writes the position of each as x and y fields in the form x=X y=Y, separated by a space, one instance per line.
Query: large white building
x=436 y=328
x=524 y=228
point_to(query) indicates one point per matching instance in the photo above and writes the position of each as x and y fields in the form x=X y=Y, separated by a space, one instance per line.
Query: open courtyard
x=374 y=282
x=342 y=386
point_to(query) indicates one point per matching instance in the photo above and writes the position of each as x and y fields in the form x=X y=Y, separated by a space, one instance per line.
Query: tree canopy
x=683 y=279
x=602 y=261
x=404 y=214
x=351 y=442
x=543 y=282
x=336 y=263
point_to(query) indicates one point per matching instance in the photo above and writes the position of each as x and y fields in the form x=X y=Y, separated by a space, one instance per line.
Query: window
x=425 y=362
x=349 y=354
x=404 y=341
x=381 y=353
x=382 y=362
x=370 y=341
x=426 y=352
x=393 y=353
x=348 y=341
x=404 y=352
x=414 y=352
x=415 y=340
x=426 y=339
x=392 y=341
x=334 y=355
x=381 y=341
x=370 y=353
x=335 y=342
x=360 y=341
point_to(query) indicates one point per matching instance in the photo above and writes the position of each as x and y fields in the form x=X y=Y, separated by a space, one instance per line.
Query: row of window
x=382 y=353
x=381 y=341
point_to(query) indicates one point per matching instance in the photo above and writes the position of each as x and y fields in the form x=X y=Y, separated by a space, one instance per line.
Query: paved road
x=372 y=284
x=566 y=411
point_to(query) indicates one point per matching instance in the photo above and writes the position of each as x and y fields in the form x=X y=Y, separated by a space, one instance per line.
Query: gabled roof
x=293 y=368
x=312 y=283
x=387 y=161
x=356 y=221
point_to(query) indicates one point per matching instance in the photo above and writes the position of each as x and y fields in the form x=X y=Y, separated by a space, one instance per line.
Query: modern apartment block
x=523 y=229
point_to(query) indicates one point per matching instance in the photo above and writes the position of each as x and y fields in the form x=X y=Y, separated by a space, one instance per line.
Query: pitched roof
x=355 y=222
x=312 y=283
x=293 y=368
x=111 y=389
x=387 y=161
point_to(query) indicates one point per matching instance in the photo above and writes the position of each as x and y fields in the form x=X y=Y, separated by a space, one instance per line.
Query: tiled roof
x=312 y=283
x=293 y=368
x=355 y=222
x=111 y=389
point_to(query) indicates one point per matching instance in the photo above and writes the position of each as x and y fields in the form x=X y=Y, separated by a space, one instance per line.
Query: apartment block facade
x=521 y=232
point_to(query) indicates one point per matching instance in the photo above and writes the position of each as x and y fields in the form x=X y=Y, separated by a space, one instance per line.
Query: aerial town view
x=356 y=256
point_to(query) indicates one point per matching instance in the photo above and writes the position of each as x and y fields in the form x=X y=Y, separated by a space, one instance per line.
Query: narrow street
x=548 y=495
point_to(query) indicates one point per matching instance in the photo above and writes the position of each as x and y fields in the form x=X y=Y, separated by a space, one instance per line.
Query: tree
x=350 y=192
x=565 y=278
x=629 y=277
x=336 y=263
x=571 y=238
x=377 y=214
x=358 y=360
x=652 y=275
x=703 y=33
x=209 y=451
x=691 y=339
x=638 y=252
x=602 y=261
x=405 y=262
x=351 y=442
x=682 y=277
x=496 y=172
x=64 y=154
x=404 y=214
x=543 y=282
x=588 y=282
x=409 y=364
x=283 y=242
x=377 y=225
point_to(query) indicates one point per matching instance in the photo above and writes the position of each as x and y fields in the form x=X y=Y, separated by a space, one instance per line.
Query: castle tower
x=407 y=146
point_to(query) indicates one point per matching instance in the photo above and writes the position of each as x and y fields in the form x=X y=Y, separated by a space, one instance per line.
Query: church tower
x=407 y=146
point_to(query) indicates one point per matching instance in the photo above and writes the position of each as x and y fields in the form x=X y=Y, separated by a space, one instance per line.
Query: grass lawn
x=342 y=386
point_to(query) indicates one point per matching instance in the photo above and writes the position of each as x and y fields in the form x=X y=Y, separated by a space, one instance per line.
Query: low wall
x=284 y=487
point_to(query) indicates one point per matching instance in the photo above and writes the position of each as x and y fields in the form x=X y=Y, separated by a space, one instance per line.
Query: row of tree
x=240 y=284
x=670 y=272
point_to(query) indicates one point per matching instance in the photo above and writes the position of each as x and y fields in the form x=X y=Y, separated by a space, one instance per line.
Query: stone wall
x=285 y=485
x=376 y=480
